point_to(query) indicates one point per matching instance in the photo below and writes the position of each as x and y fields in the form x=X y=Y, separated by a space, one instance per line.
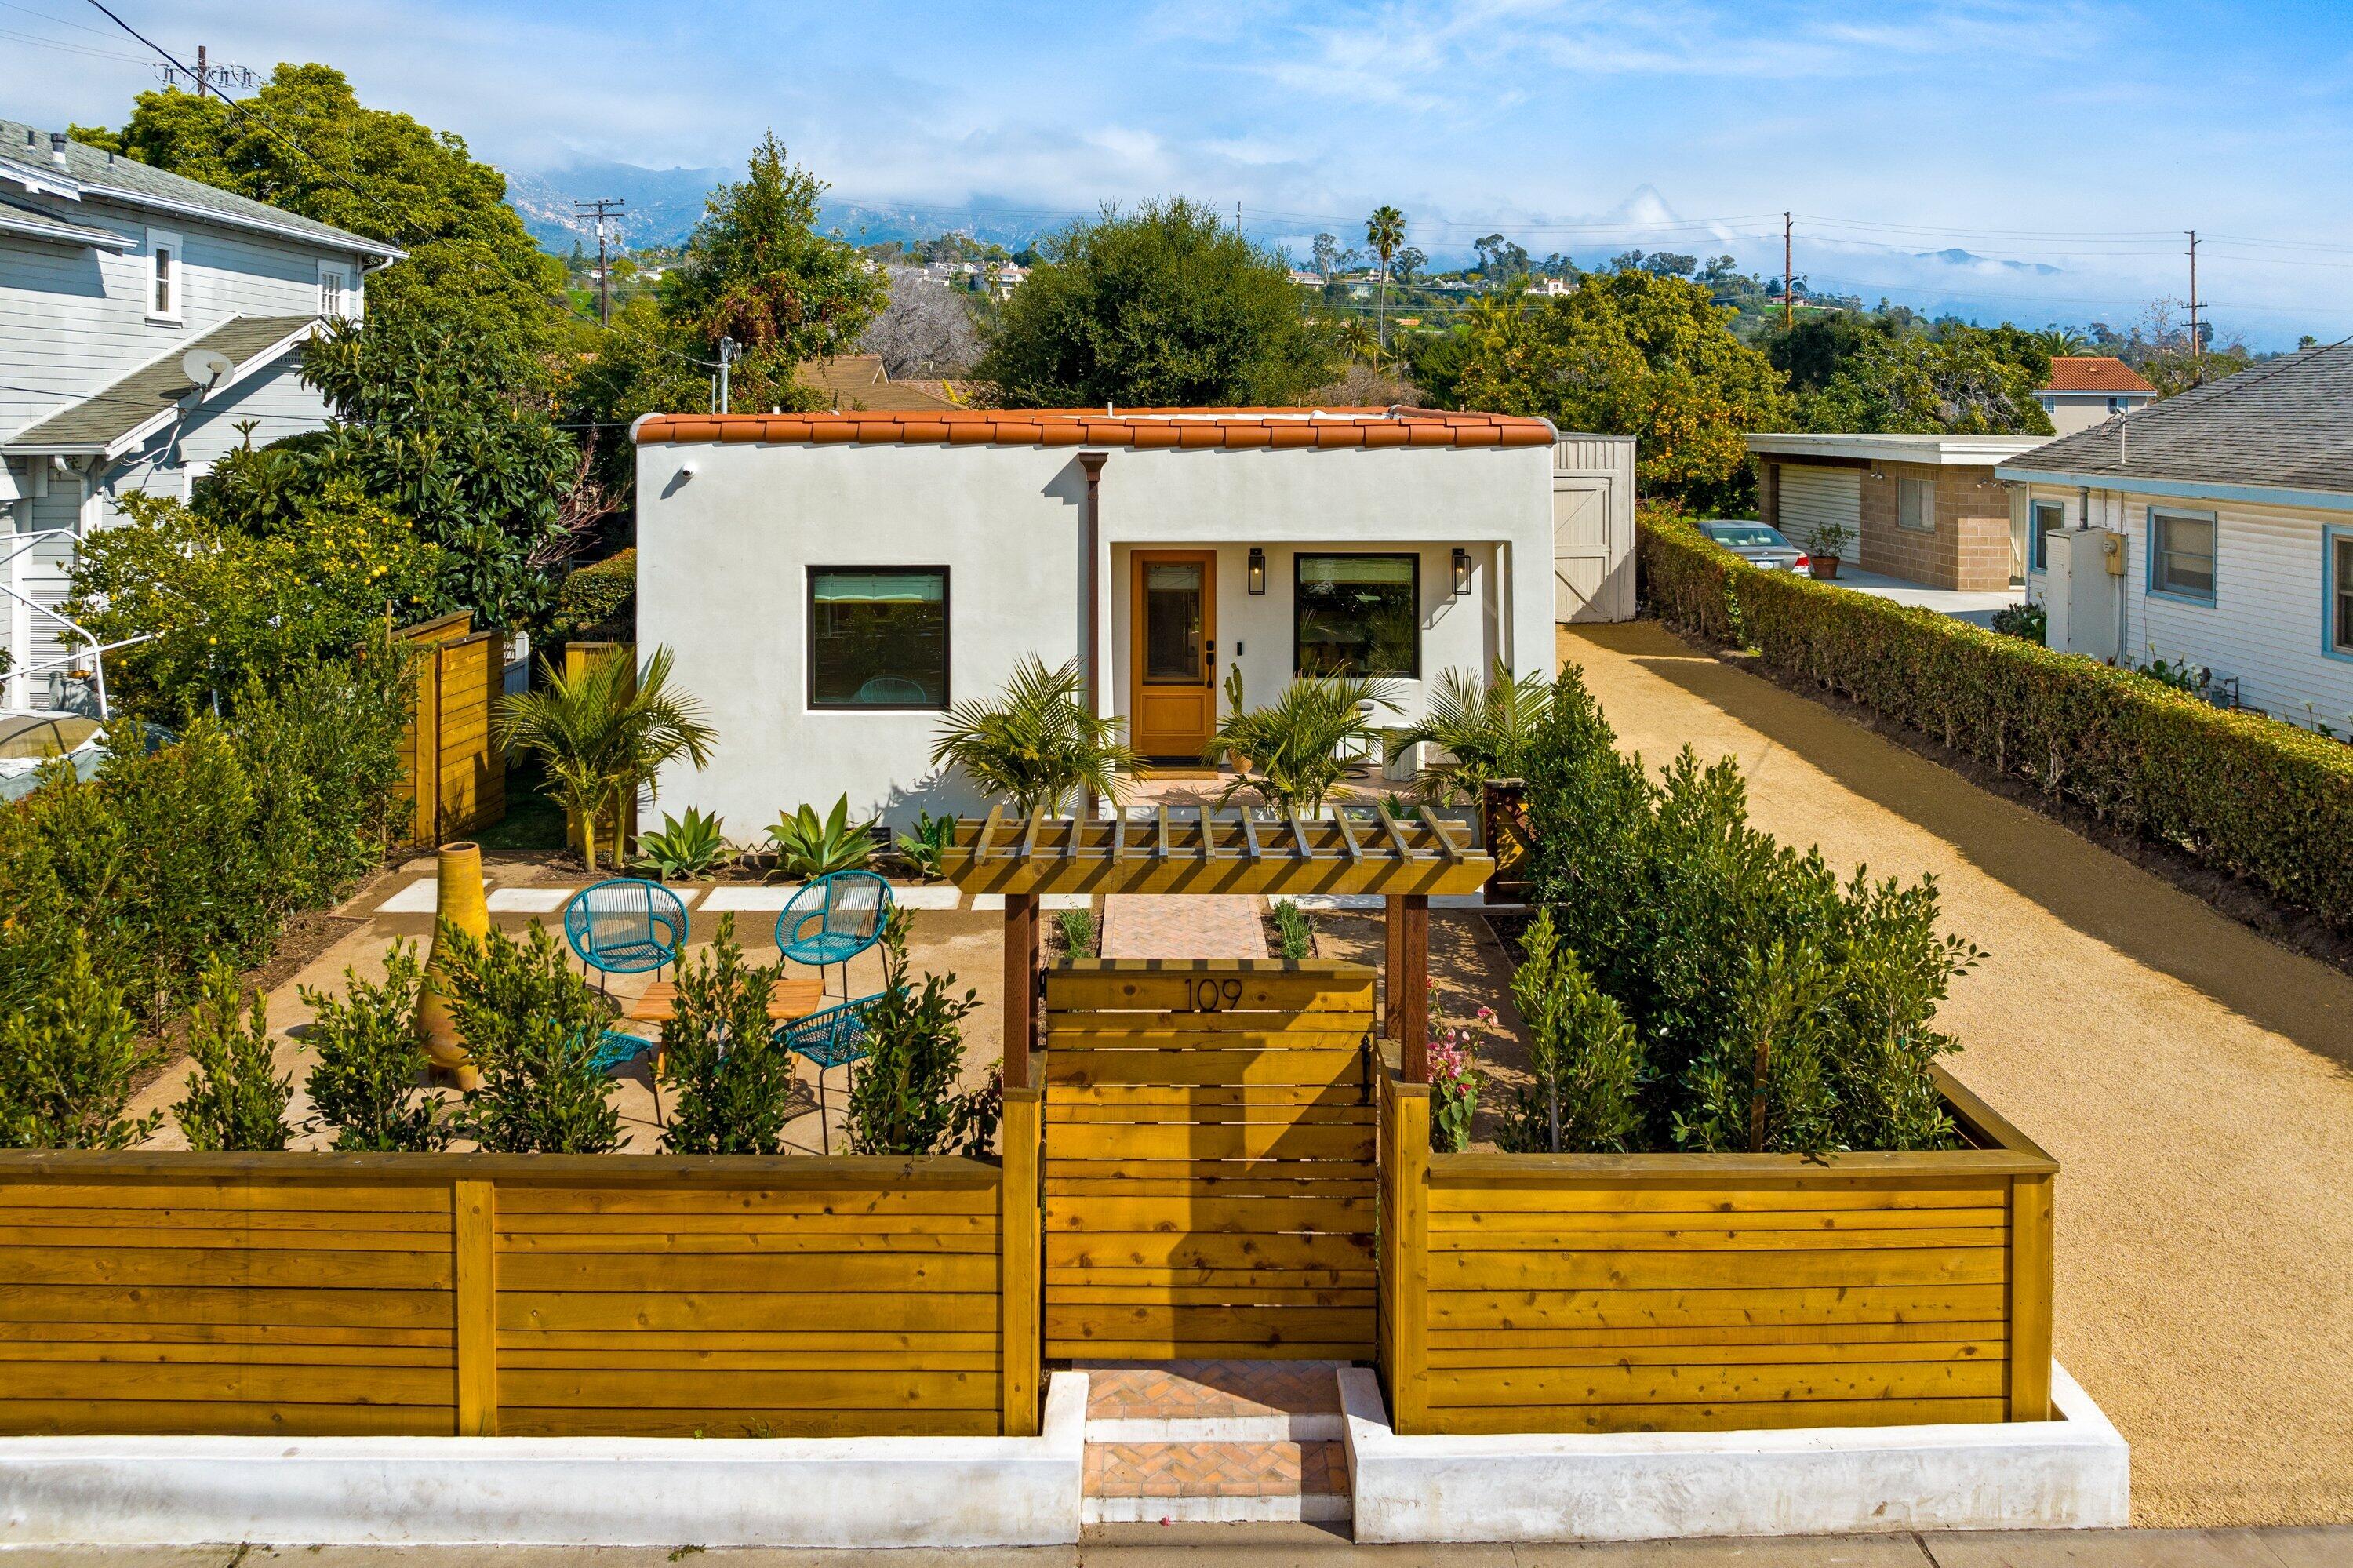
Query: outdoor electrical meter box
x=2113 y=547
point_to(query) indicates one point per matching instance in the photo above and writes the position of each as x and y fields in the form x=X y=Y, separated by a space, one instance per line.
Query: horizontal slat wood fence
x=1614 y=1293
x=455 y=777
x=1209 y=1160
x=539 y=1295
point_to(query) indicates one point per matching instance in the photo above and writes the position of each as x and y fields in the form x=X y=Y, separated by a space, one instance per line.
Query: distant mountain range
x=664 y=205
x=1959 y=258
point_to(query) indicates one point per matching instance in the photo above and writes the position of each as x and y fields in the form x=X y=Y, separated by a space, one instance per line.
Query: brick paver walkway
x=1211 y=925
x=1199 y=1390
x=1216 y=1469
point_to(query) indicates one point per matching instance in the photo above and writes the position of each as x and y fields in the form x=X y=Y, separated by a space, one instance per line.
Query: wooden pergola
x=1406 y=860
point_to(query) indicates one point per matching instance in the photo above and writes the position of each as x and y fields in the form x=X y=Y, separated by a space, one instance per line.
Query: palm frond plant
x=604 y=735
x=811 y=847
x=685 y=846
x=1293 y=754
x=1481 y=728
x=1034 y=745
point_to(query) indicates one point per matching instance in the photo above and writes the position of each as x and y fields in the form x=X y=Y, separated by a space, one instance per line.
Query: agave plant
x=1290 y=754
x=1034 y=745
x=923 y=849
x=685 y=847
x=811 y=847
x=1483 y=727
x=606 y=733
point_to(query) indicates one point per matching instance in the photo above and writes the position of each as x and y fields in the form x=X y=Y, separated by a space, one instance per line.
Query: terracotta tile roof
x=2093 y=373
x=1140 y=428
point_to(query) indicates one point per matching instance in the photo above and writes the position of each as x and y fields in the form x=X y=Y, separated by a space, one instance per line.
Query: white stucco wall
x=723 y=561
x=2268 y=622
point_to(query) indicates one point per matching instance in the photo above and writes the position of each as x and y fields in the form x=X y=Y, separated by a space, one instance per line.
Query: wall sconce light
x=1257 y=570
x=1462 y=571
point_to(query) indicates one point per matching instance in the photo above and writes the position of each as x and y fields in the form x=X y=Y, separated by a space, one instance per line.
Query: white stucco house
x=2084 y=389
x=2213 y=529
x=830 y=583
x=114 y=279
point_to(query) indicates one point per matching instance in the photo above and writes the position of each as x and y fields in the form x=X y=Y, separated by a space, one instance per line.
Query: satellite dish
x=205 y=366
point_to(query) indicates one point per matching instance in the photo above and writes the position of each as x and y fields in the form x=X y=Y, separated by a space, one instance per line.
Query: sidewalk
x=1312 y=1546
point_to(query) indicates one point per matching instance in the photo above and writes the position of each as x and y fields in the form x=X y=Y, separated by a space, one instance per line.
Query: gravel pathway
x=2190 y=1076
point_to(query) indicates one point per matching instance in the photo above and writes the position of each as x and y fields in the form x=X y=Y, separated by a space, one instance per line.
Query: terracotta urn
x=458 y=904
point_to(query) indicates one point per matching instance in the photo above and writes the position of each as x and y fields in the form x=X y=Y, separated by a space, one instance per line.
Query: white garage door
x=1812 y=497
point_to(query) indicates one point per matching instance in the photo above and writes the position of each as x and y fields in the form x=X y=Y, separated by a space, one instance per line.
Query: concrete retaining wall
x=2071 y=1473
x=581 y=1491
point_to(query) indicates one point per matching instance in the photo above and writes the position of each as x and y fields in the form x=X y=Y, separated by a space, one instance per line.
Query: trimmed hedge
x=2259 y=798
x=600 y=598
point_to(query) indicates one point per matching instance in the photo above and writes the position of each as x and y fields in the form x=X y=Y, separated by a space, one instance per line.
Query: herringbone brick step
x=1218 y=1481
x=1213 y=1401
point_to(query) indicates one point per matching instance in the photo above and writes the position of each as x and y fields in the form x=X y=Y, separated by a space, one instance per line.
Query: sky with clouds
x=2083 y=135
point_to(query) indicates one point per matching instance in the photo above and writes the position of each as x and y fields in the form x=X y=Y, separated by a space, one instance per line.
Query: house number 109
x=1213 y=995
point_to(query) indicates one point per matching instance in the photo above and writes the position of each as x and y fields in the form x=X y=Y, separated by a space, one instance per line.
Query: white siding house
x=829 y=585
x=2214 y=529
x=111 y=274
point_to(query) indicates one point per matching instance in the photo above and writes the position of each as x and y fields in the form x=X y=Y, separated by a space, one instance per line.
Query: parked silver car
x=1759 y=545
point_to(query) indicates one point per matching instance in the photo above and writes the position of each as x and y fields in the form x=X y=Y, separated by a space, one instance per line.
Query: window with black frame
x=1357 y=615
x=878 y=637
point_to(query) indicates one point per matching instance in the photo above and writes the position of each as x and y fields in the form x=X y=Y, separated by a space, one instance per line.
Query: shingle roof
x=107 y=415
x=31 y=222
x=25 y=154
x=2286 y=425
x=2093 y=373
x=858 y=381
x=1142 y=428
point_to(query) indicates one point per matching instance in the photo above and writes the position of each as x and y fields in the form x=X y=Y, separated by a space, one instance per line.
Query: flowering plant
x=1454 y=1080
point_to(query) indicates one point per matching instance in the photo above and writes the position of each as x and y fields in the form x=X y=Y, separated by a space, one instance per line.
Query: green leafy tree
x=1631 y=352
x=1162 y=306
x=369 y=1061
x=1585 y=1058
x=604 y=733
x=533 y=1027
x=904 y=1099
x=237 y=1098
x=1034 y=745
x=223 y=607
x=733 y=1077
x=1958 y=380
x=69 y=1063
x=756 y=271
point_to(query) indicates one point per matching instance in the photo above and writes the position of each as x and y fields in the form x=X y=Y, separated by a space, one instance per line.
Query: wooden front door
x=1171 y=684
x=1209 y=1177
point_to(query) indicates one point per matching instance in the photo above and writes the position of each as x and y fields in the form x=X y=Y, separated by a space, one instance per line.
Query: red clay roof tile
x=2093 y=373
x=1190 y=428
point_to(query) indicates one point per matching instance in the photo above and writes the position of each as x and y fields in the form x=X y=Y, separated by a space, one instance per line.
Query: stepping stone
x=416 y=898
x=529 y=900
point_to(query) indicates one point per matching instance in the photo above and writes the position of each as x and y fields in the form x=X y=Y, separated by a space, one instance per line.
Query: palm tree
x=1485 y=726
x=604 y=733
x=1359 y=341
x=1034 y=744
x=1294 y=748
x=2059 y=341
x=1385 y=232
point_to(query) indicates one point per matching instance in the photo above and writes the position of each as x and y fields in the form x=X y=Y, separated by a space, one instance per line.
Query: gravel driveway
x=2190 y=1076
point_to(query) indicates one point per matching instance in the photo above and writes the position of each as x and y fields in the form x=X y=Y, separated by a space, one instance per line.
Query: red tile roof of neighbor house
x=1140 y=428
x=2093 y=373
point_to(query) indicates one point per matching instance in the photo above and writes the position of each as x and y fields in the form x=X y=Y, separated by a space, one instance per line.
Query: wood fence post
x=1022 y=937
x=1405 y=1254
x=1021 y=1262
x=1405 y=972
x=2030 y=1268
x=473 y=1210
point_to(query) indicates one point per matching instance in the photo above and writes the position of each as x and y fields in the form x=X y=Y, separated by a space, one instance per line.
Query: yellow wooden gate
x=1208 y=1176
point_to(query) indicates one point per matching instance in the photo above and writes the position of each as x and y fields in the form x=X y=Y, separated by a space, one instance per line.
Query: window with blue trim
x=2050 y=517
x=2181 y=552
x=2341 y=591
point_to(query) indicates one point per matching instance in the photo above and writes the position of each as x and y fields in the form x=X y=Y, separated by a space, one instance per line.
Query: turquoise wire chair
x=830 y=1037
x=834 y=919
x=626 y=925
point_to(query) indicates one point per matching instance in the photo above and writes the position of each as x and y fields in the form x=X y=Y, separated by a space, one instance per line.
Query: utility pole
x=2196 y=346
x=602 y=208
x=727 y=352
x=1789 y=283
x=201 y=71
